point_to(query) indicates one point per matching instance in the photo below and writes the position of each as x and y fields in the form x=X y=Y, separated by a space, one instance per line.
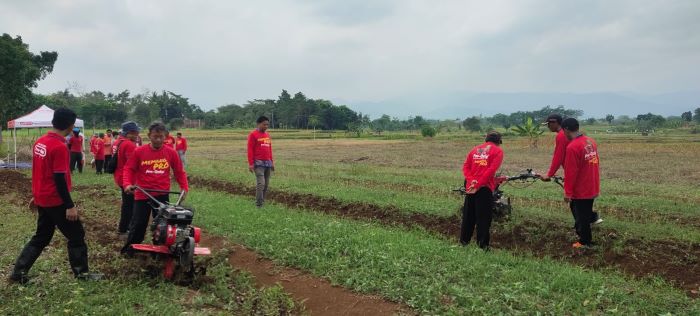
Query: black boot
x=24 y=262
x=78 y=258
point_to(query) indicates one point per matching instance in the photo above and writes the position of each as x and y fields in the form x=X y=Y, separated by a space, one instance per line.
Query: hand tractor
x=174 y=238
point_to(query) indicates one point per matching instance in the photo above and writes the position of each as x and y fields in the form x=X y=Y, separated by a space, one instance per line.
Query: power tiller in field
x=502 y=207
x=175 y=240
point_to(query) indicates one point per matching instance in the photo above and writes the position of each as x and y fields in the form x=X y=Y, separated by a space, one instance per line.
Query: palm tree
x=314 y=121
x=531 y=130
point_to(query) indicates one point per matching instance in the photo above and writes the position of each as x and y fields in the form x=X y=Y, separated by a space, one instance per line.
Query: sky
x=364 y=52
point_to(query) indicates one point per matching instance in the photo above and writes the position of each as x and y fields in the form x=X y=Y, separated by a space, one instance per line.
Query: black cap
x=554 y=117
x=570 y=124
x=130 y=126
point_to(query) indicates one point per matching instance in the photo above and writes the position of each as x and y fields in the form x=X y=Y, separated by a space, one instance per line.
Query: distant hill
x=461 y=105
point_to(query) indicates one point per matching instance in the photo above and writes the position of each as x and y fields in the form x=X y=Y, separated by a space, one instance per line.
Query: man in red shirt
x=554 y=122
x=98 y=149
x=51 y=186
x=169 y=140
x=149 y=168
x=76 y=151
x=181 y=148
x=108 y=144
x=479 y=171
x=124 y=147
x=581 y=179
x=260 y=160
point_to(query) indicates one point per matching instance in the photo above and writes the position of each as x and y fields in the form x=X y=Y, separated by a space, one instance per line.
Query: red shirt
x=98 y=149
x=108 y=144
x=259 y=147
x=50 y=156
x=582 y=169
x=559 y=153
x=126 y=150
x=481 y=165
x=76 y=144
x=92 y=144
x=181 y=144
x=169 y=141
x=150 y=169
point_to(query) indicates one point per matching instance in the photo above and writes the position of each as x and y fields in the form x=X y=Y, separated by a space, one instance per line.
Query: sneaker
x=597 y=221
x=578 y=245
x=90 y=276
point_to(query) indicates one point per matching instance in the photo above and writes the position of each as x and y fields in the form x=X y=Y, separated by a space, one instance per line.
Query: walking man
x=260 y=160
x=107 y=138
x=98 y=150
x=181 y=147
x=76 y=151
x=479 y=170
x=553 y=123
x=149 y=168
x=124 y=147
x=51 y=186
x=581 y=179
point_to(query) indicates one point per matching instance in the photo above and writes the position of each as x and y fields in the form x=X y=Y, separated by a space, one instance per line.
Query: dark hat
x=570 y=124
x=554 y=117
x=130 y=126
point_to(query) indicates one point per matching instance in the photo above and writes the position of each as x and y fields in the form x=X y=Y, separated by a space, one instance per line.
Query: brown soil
x=671 y=259
x=317 y=295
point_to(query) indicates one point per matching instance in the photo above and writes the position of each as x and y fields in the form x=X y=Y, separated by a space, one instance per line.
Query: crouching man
x=51 y=186
x=479 y=170
x=149 y=168
x=581 y=179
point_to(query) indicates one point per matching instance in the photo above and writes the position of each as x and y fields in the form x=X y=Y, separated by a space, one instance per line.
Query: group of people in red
x=575 y=152
x=148 y=166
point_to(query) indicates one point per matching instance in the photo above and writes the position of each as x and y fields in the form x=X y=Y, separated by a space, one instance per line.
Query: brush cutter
x=174 y=238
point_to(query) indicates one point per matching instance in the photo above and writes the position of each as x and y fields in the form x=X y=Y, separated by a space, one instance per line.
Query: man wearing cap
x=554 y=122
x=582 y=179
x=124 y=147
x=479 y=171
x=51 y=186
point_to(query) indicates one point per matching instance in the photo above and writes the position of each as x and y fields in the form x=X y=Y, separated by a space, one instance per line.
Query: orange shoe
x=578 y=245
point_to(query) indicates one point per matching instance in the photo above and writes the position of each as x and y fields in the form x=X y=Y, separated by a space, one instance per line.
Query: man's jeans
x=262 y=177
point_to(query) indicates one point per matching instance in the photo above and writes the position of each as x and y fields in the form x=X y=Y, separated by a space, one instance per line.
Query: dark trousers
x=76 y=160
x=594 y=215
x=477 y=211
x=583 y=213
x=143 y=209
x=49 y=219
x=98 y=165
x=126 y=211
x=108 y=158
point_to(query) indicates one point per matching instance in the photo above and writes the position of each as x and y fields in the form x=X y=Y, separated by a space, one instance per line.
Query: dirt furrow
x=669 y=259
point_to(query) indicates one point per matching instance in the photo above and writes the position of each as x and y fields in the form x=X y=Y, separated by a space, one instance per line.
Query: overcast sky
x=221 y=52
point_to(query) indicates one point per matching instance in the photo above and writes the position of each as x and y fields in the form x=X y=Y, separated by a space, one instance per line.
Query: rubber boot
x=78 y=258
x=24 y=262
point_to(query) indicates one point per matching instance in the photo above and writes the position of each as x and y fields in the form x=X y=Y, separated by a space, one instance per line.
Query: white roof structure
x=40 y=117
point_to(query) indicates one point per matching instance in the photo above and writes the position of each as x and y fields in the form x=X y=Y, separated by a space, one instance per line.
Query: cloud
x=218 y=52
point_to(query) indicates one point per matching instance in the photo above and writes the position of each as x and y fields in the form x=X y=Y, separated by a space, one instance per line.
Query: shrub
x=428 y=131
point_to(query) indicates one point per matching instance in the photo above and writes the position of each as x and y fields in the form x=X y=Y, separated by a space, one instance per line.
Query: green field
x=648 y=246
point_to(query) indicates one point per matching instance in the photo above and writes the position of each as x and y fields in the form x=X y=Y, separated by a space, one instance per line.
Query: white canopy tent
x=39 y=118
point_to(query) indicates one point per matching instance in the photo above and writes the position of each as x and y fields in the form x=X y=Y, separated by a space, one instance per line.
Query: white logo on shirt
x=40 y=150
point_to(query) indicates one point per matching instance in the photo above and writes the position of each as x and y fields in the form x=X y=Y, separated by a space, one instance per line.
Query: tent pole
x=14 y=136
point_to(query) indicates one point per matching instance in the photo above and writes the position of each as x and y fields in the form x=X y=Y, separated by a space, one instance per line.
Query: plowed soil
x=672 y=260
x=316 y=295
